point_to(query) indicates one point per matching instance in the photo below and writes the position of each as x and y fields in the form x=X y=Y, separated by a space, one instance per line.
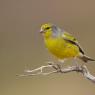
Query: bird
x=62 y=44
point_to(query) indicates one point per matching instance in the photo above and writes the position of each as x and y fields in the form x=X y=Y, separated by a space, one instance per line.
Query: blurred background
x=21 y=45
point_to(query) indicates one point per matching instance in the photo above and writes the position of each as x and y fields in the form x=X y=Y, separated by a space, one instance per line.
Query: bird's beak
x=41 y=31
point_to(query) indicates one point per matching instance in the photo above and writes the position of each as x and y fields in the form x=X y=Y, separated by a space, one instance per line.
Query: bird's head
x=49 y=30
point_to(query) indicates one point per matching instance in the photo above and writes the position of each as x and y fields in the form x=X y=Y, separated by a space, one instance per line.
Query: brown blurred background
x=21 y=45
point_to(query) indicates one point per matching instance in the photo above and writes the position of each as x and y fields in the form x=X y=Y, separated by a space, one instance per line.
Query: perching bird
x=62 y=44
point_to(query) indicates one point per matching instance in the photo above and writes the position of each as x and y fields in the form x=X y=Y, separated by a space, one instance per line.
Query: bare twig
x=56 y=68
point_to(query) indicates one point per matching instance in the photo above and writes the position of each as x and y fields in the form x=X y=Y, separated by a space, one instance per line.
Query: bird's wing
x=69 y=36
x=71 y=39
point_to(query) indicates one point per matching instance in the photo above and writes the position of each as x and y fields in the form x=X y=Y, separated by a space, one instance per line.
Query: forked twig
x=56 y=68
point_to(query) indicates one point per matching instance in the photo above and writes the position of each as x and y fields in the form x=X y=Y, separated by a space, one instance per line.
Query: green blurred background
x=22 y=45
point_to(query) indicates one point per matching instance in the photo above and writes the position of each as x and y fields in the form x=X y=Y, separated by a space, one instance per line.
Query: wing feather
x=69 y=38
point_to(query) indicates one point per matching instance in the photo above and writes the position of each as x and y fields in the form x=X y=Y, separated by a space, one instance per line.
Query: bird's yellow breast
x=60 y=48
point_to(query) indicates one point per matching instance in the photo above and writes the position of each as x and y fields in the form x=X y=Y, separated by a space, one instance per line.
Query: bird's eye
x=47 y=28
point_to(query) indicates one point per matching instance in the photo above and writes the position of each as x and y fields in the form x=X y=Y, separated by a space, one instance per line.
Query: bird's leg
x=59 y=68
x=59 y=64
x=76 y=63
x=56 y=66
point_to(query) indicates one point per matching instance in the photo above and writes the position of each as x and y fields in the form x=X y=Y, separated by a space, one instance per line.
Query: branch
x=56 y=68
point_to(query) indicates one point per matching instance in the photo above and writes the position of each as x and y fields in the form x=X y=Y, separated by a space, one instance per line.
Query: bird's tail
x=86 y=58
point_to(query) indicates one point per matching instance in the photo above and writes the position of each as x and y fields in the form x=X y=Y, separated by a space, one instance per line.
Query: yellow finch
x=62 y=44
